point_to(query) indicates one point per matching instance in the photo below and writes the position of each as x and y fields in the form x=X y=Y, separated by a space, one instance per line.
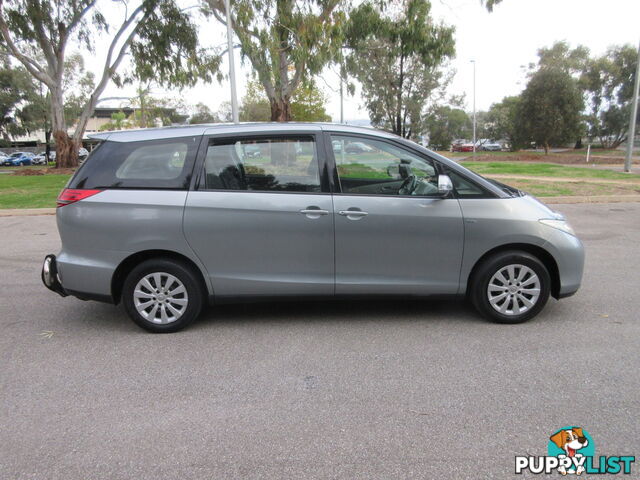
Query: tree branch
x=79 y=15
x=109 y=68
x=30 y=64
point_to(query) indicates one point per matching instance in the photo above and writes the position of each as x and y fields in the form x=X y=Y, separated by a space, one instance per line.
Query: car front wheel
x=510 y=287
x=162 y=295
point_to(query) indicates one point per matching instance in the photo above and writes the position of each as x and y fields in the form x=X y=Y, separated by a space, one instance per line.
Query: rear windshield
x=154 y=164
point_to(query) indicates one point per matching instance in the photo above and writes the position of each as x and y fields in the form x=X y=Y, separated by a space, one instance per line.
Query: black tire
x=184 y=273
x=485 y=271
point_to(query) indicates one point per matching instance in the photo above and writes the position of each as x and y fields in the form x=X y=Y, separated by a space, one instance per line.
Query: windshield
x=19 y=154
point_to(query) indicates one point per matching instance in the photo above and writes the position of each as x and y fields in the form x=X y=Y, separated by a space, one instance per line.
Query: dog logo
x=570 y=440
x=571 y=451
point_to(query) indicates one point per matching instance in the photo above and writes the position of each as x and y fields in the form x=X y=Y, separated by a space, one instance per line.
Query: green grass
x=359 y=170
x=553 y=189
x=544 y=170
x=37 y=191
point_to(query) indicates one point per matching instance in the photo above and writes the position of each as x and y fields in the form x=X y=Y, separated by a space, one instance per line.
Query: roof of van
x=224 y=128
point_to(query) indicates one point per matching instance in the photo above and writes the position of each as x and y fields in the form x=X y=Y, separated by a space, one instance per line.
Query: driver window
x=371 y=167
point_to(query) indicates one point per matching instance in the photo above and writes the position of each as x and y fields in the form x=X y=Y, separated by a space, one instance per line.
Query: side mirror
x=445 y=186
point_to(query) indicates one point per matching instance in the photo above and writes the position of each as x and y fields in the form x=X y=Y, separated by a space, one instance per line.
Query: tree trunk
x=280 y=110
x=66 y=150
x=546 y=148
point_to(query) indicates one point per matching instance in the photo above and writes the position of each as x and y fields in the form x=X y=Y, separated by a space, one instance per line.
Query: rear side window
x=279 y=164
x=153 y=164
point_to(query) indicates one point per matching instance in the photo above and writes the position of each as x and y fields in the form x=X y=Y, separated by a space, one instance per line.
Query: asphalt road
x=324 y=390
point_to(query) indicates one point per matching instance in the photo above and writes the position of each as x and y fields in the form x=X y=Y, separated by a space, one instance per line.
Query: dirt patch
x=561 y=158
x=27 y=172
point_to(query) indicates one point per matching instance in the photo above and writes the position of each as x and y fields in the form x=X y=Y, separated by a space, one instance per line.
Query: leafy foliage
x=203 y=114
x=18 y=94
x=549 y=111
x=502 y=121
x=162 y=38
x=445 y=124
x=151 y=111
x=608 y=86
x=118 y=122
x=561 y=56
x=307 y=104
x=77 y=86
x=285 y=41
x=398 y=59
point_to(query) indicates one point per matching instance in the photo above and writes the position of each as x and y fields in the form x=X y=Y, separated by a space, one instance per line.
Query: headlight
x=558 y=224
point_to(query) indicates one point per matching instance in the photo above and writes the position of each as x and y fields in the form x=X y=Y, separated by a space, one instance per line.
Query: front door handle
x=352 y=213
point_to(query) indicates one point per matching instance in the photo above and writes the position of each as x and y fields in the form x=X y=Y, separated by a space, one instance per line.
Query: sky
x=502 y=43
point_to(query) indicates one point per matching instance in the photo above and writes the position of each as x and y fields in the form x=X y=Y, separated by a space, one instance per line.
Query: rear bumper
x=52 y=280
x=50 y=276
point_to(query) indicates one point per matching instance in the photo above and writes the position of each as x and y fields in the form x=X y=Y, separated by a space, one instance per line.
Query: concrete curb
x=24 y=212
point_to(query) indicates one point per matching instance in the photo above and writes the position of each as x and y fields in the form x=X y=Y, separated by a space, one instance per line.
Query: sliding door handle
x=352 y=213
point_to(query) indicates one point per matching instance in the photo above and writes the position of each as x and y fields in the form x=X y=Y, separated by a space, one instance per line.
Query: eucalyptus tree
x=161 y=38
x=286 y=42
x=549 y=111
x=608 y=82
x=398 y=57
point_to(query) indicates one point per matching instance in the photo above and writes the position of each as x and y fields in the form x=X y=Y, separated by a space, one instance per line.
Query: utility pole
x=232 y=67
x=632 y=120
x=474 y=108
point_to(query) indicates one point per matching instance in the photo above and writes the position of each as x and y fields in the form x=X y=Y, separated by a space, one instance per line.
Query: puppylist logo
x=571 y=451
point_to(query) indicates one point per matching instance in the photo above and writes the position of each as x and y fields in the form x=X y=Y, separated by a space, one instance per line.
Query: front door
x=261 y=219
x=394 y=233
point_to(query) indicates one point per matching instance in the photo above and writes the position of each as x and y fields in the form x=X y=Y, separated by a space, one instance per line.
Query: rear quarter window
x=152 y=164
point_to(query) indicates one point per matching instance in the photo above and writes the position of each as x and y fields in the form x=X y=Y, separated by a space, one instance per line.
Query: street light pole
x=232 y=67
x=634 y=115
x=474 y=108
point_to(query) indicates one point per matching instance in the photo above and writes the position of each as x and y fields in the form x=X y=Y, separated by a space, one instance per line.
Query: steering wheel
x=408 y=185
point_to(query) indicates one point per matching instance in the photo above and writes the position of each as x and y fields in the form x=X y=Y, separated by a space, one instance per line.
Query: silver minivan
x=169 y=220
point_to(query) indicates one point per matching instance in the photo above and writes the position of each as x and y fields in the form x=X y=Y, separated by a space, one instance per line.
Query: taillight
x=72 y=195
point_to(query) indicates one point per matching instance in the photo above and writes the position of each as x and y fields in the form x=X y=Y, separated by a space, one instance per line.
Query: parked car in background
x=41 y=158
x=357 y=147
x=18 y=159
x=83 y=153
x=252 y=150
x=169 y=220
x=462 y=146
x=490 y=146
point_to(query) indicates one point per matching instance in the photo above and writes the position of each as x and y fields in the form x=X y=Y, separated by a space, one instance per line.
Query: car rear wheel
x=510 y=287
x=162 y=295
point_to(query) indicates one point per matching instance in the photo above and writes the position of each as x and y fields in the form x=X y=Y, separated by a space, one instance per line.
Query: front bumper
x=50 y=276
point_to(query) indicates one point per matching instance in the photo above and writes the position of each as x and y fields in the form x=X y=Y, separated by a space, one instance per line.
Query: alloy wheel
x=513 y=290
x=160 y=297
